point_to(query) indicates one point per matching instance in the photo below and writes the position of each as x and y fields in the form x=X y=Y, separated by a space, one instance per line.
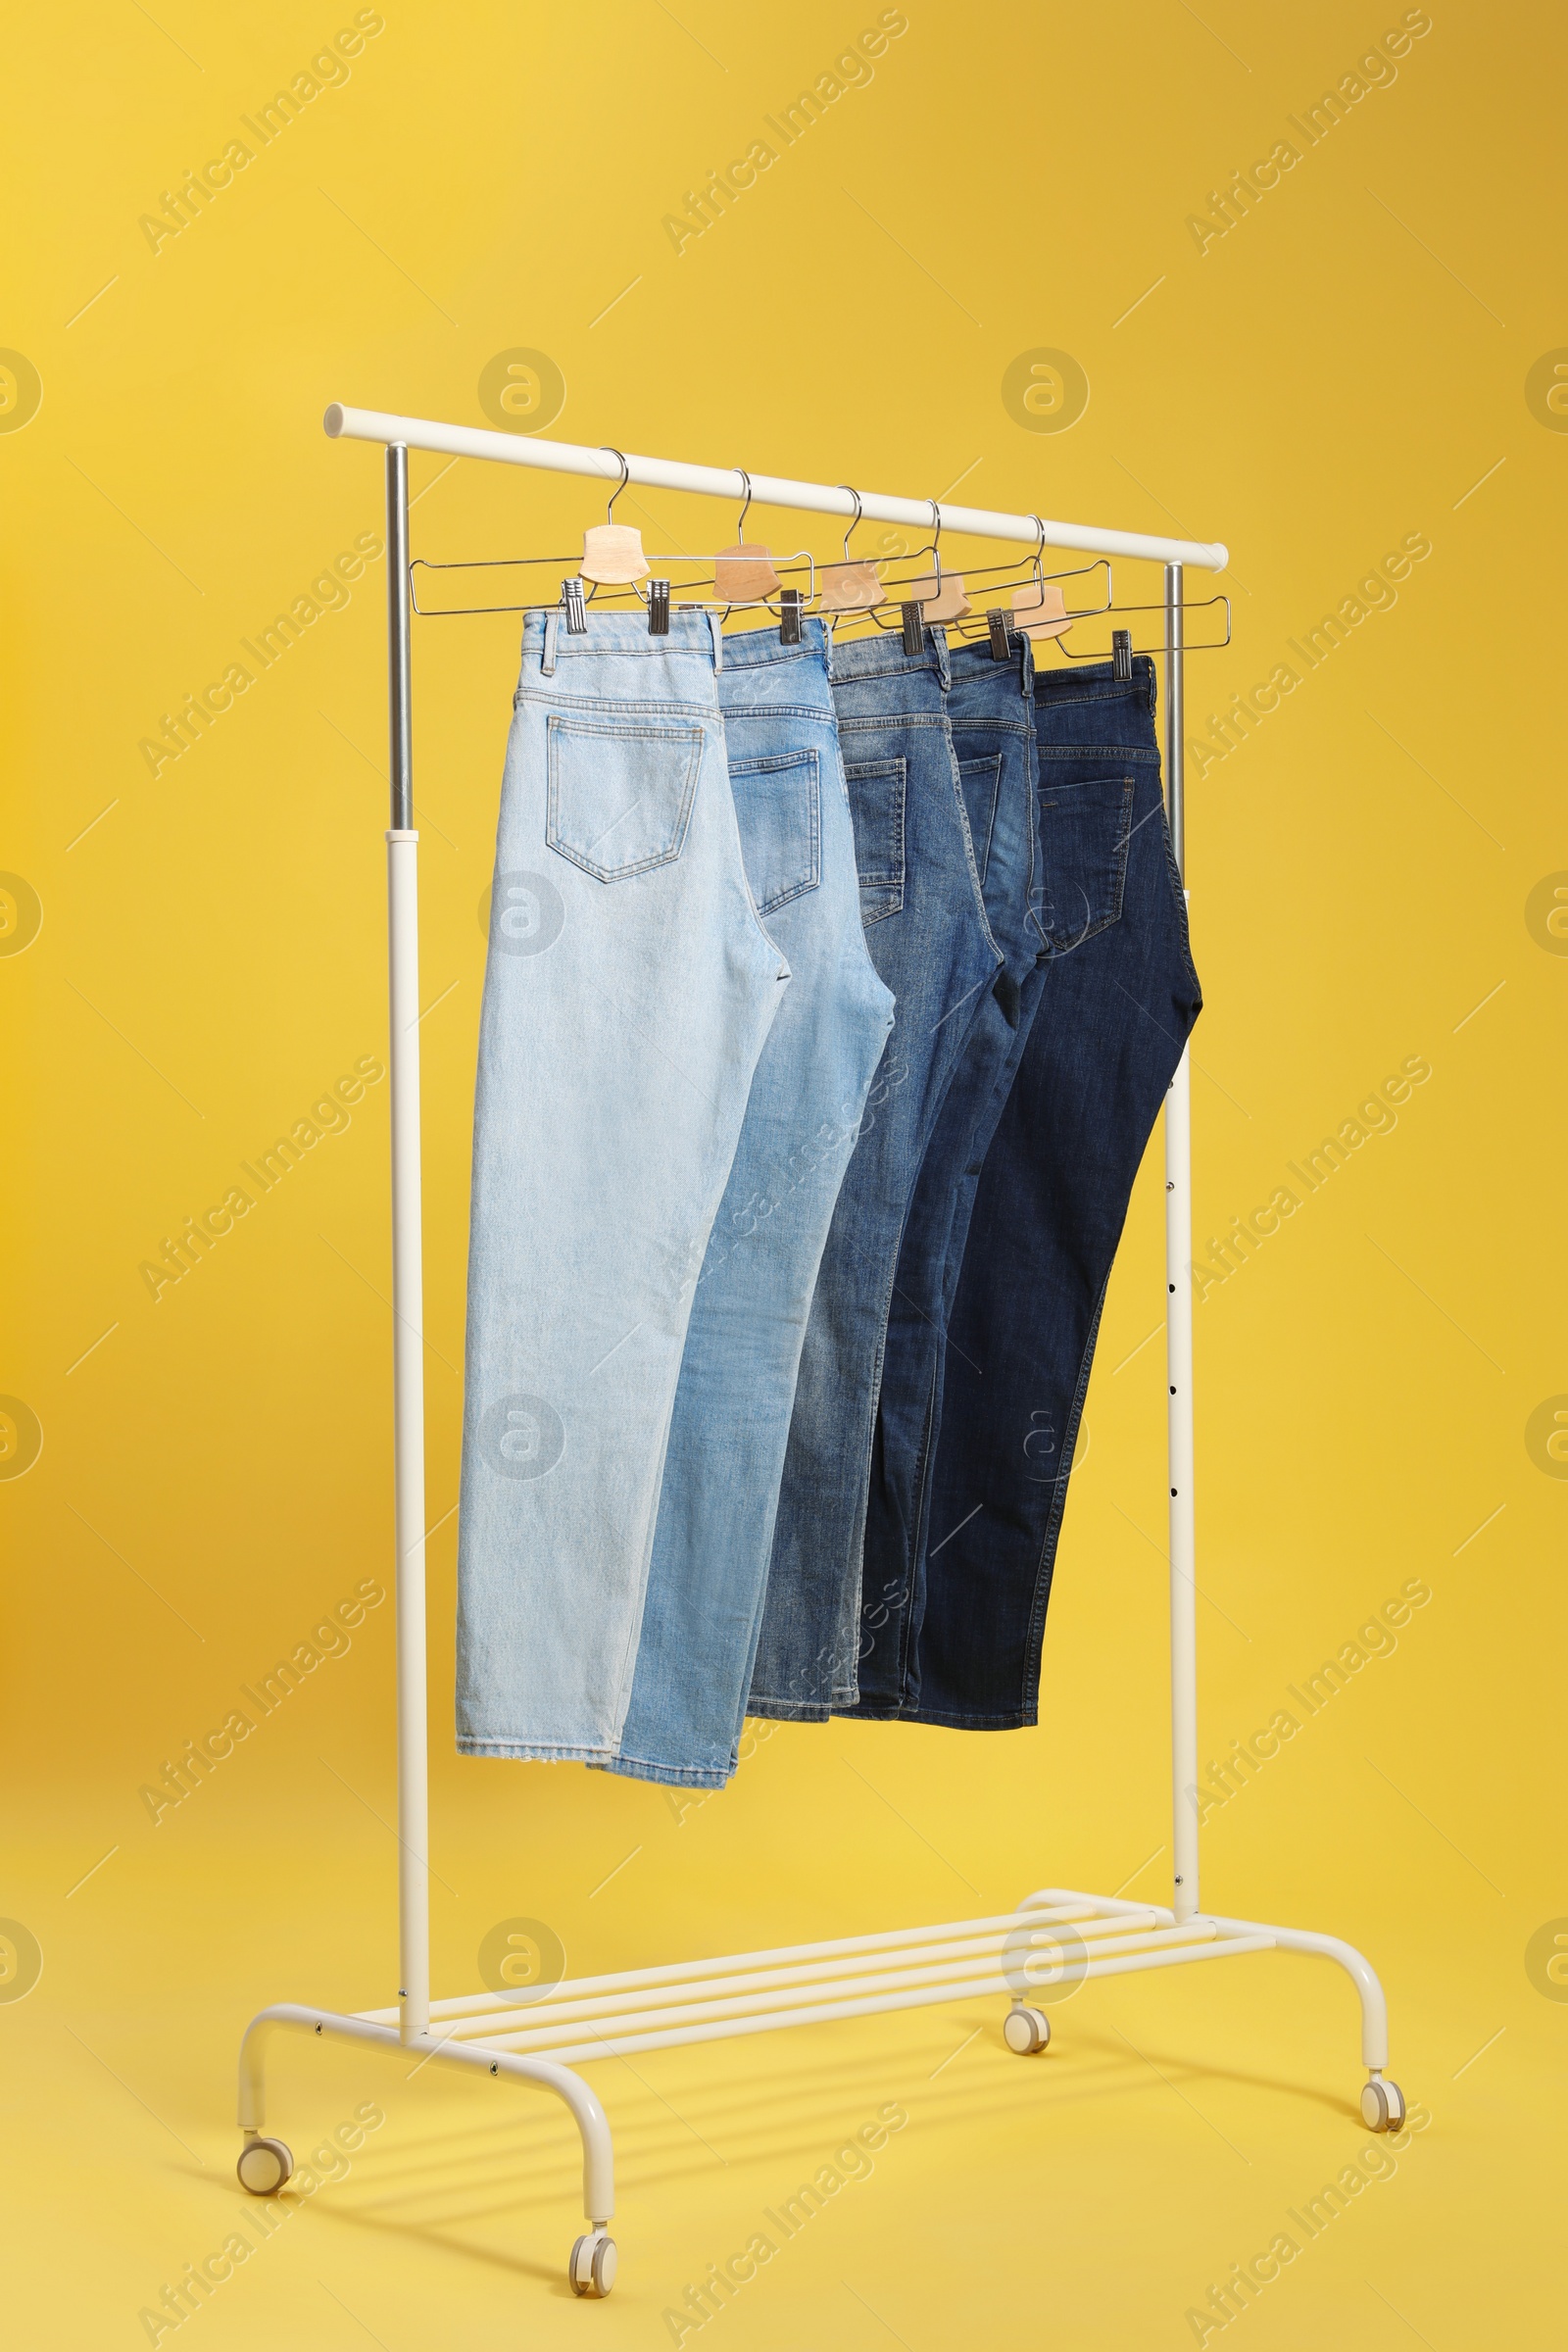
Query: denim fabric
x=629 y=990
x=743 y=1344
x=926 y=928
x=1120 y=997
x=991 y=712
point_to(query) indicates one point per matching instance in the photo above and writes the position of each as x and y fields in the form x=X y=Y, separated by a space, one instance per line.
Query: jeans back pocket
x=620 y=792
x=779 y=807
x=876 y=805
x=1085 y=826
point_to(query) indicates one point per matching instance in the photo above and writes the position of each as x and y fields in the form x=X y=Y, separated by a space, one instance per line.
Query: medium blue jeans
x=630 y=991
x=743 y=1343
x=926 y=928
x=991 y=712
x=1120 y=997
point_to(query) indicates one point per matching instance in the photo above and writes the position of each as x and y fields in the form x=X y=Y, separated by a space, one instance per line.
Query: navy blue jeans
x=1119 y=997
x=929 y=939
x=991 y=712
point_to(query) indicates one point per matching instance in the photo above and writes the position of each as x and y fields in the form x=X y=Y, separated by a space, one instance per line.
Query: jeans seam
x=811 y=713
x=1029 y=1695
x=607 y=706
x=1179 y=896
x=968 y=852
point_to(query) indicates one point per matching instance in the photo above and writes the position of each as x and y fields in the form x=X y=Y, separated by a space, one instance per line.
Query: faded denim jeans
x=743 y=1343
x=926 y=928
x=630 y=991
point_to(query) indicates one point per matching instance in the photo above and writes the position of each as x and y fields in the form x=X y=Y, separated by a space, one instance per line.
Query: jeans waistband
x=883 y=655
x=1096 y=681
x=749 y=649
x=975 y=664
x=547 y=640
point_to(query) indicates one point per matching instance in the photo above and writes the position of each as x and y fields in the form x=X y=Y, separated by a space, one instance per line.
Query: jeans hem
x=798 y=1710
x=673 y=1776
x=945 y=1719
x=531 y=1751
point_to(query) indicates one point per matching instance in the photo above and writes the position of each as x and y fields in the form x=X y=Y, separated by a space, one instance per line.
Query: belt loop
x=939 y=646
x=1026 y=665
x=548 y=663
x=715 y=623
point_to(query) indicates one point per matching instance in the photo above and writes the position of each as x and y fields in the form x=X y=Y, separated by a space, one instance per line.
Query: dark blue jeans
x=991 y=712
x=929 y=939
x=1119 y=998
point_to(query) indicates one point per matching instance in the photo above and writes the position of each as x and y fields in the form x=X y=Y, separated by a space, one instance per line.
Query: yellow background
x=1346 y=366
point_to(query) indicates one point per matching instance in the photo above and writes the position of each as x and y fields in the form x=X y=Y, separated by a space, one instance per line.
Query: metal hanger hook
x=855 y=523
x=936 y=537
x=626 y=478
x=1040 y=541
x=740 y=527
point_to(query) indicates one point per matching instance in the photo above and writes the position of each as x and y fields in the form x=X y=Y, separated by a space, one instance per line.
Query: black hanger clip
x=659 y=608
x=1121 y=654
x=913 y=629
x=788 y=618
x=576 y=613
x=1001 y=628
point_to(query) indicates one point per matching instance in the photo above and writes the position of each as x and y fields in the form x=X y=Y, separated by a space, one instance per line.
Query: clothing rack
x=1056 y=1935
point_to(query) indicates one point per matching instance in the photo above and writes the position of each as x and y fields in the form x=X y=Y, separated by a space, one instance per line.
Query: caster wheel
x=263 y=2166
x=1383 y=2105
x=1026 y=2031
x=592 y=2268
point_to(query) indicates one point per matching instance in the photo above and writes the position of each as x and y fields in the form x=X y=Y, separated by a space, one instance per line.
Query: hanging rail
x=766 y=489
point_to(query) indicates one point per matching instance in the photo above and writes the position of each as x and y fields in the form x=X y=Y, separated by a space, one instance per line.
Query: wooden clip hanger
x=743 y=574
x=939 y=593
x=613 y=552
x=850 y=586
x=1039 y=610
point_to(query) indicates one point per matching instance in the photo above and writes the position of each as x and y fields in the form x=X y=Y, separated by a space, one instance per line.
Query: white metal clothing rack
x=1056 y=1935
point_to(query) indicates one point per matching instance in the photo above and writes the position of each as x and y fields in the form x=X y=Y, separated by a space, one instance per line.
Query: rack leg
x=1179 y=1338
x=408 y=1287
x=1179 y=1403
x=266 y=2164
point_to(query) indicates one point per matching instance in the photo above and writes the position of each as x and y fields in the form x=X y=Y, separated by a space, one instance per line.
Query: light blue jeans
x=743 y=1344
x=630 y=991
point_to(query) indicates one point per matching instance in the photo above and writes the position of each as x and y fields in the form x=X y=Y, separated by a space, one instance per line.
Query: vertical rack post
x=407 y=1284
x=1179 y=1338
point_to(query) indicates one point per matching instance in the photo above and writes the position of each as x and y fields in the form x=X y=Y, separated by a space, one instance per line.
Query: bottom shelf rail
x=1056 y=1939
